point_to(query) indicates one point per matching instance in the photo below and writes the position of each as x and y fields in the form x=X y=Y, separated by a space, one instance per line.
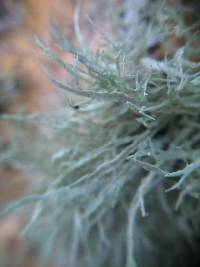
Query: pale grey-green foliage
x=121 y=172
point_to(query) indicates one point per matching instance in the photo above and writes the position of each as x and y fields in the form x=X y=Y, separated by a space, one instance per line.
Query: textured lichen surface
x=120 y=170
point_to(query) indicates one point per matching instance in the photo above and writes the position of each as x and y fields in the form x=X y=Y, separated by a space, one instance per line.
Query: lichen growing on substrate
x=122 y=168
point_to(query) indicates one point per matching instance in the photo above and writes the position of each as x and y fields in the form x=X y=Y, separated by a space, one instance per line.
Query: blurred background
x=24 y=88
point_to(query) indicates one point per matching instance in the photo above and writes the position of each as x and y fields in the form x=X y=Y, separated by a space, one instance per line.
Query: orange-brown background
x=19 y=21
